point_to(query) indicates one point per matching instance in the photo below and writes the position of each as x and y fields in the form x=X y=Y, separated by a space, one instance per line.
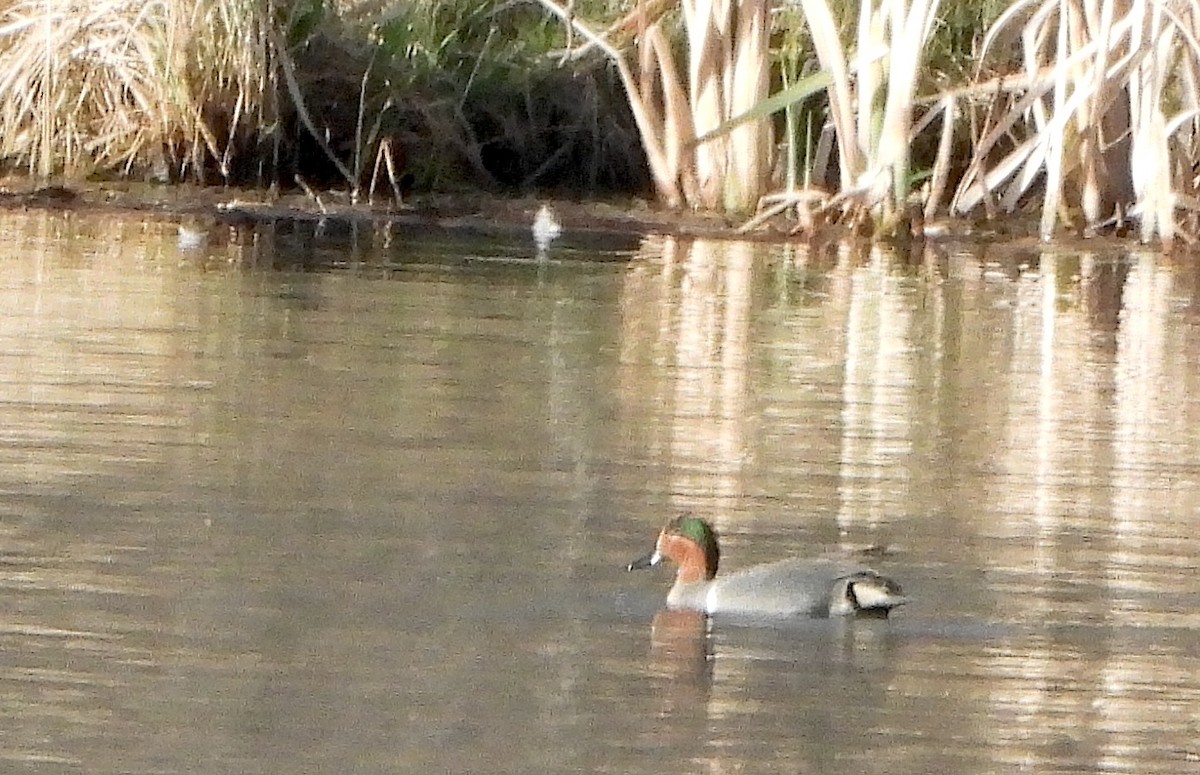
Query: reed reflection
x=1016 y=419
x=880 y=392
x=687 y=317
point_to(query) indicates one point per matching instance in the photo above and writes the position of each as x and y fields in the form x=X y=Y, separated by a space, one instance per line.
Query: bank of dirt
x=467 y=212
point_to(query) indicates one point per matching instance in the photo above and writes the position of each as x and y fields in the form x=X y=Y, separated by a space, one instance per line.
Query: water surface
x=333 y=502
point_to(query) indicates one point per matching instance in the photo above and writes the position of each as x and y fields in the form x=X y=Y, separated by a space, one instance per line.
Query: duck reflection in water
x=680 y=647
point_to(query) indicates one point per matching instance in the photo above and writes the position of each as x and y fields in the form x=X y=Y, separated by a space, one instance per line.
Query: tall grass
x=871 y=98
x=109 y=83
x=727 y=72
x=1097 y=123
x=872 y=78
x=258 y=90
x=1102 y=121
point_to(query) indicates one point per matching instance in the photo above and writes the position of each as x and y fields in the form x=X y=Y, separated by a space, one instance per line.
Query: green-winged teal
x=793 y=587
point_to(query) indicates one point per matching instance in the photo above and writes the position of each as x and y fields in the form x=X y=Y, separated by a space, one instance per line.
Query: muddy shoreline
x=474 y=213
x=470 y=213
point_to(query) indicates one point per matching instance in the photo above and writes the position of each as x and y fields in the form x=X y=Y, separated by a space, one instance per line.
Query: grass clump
x=121 y=84
x=256 y=91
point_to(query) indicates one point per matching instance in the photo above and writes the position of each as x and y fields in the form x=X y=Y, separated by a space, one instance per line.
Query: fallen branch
x=293 y=87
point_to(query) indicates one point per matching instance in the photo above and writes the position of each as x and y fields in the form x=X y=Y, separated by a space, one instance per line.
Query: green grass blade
x=797 y=92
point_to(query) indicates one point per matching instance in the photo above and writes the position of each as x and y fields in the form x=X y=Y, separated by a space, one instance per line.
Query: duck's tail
x=866 y=593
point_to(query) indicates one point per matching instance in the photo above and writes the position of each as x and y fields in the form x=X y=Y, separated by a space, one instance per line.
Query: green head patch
x=697 y=530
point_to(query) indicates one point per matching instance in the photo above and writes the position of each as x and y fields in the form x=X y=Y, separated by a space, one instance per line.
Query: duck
x=795 y=587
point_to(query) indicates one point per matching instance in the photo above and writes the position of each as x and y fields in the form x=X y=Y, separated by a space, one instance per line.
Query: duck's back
x=793 y=587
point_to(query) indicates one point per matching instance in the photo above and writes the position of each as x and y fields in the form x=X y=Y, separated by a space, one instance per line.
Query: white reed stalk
x=1054 y=144
x=750 y=143
x=708 y=25
x=832 y=57
x=910 y=27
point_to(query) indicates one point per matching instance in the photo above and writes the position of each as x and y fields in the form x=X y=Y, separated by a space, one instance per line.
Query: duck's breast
x=692 y=596
x=792 y=587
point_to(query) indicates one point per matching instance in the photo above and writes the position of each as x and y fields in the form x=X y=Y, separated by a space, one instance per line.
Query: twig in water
x=311 y=194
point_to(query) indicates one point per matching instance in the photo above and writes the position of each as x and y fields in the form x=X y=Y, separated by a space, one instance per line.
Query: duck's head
x=690 y=543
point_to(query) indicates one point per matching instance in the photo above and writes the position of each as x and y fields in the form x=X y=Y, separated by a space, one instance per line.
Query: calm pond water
x=338 y=503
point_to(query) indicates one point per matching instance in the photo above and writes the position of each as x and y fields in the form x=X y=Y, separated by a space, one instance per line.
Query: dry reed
x=1105 y=117
x=117 y=83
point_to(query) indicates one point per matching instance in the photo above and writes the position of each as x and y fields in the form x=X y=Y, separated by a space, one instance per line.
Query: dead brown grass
x=112 y=84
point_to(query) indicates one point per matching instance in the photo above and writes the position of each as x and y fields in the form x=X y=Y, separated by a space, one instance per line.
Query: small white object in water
x=545 y=227
x=191 y=236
